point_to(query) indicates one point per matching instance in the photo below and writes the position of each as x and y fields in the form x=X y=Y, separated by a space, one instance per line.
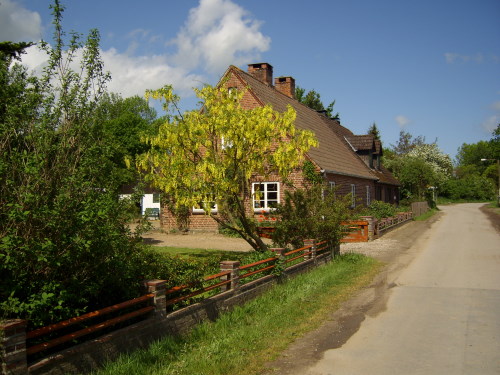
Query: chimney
x=262 y=71
x=285 y=85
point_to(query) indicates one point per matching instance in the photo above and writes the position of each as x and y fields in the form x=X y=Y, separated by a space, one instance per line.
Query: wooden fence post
x=234 y=275
x=158 y=288
x=13 y=347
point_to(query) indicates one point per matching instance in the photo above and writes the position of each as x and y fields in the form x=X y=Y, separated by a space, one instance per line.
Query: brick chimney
x=285 y=85
x=262 y=71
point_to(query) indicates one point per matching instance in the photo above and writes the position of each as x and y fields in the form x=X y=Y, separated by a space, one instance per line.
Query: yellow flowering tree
x=210 y=155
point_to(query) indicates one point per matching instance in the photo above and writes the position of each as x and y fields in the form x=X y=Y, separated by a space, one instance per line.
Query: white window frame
x=264 y=197
x=199 y=210
x=368 y=196
x=353 y=195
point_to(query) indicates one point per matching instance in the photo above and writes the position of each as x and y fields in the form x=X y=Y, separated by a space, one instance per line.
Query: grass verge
x=243 y=340
x=427 y=215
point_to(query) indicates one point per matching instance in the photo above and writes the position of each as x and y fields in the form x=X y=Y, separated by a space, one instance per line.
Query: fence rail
x=154 y=306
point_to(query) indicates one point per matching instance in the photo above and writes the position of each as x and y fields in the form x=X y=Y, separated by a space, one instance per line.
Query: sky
x=428 y=67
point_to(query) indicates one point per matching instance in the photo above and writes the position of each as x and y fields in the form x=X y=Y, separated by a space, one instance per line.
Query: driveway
x=434 y=310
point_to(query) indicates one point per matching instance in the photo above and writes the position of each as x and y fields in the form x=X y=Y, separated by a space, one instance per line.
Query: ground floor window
x=368 y=196
x=265 y=195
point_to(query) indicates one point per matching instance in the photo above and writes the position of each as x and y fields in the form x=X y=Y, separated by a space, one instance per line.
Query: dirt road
x=435 y=309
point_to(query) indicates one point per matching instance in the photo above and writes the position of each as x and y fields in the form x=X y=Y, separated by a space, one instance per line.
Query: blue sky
x=430 y=67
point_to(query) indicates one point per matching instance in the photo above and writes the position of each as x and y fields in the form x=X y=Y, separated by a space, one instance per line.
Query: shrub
x=310 y=214
x=380 y=210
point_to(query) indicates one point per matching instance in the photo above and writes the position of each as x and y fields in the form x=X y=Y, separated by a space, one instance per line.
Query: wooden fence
x=49 y=349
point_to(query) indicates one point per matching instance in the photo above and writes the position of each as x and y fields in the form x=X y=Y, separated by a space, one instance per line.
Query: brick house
x=348 y=162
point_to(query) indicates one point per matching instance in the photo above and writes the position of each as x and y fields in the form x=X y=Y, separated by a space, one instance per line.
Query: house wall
x=343 y=187
x=147 y=202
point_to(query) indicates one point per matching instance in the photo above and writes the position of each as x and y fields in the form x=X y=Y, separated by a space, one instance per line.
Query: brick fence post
x=371 y=226
x=279 y=251
x=312 y=249
x=234 y=275
x=158 y=288
x=13 y=347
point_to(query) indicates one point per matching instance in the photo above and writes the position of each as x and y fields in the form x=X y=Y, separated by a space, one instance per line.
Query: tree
x=439 y=161
x=124 y=121
x=373 y=130
x=406 y=143
x=64 y=244
x=312 y=99
x=211 y=155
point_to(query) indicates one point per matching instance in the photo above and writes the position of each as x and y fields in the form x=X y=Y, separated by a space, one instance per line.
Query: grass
x=427 y=215
x=200 y=253
x=243 y=340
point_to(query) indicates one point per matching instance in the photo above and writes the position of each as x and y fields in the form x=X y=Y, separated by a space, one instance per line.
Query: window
x=353 y=195
x=368 y=196
x=265 y=195
x=156 y=197
x=202 y=205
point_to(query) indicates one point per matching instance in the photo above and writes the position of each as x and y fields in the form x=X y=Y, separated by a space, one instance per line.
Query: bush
x=471 y=187
x=310 y=214
x=381 y=209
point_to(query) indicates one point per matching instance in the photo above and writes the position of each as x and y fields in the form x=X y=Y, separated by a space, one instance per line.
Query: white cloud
x=218 y=33
x=402 y=120
x=491 y=123
x=452 y=58
x=132 y=75
x=496 y=106
x=18 y=23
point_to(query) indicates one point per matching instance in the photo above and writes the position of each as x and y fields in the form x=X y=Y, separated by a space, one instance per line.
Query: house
x=350 y=163
x=150 y=201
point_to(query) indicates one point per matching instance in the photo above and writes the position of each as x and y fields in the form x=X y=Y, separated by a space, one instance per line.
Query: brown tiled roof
x=332 y=154
x=361 y=142
x=386 y=177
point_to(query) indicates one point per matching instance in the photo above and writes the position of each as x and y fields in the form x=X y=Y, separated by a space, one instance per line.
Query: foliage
x=312 y=99
x=243 y=340
x=380 y=210
x=310 y=173
x=212 y=155
x=476 y=179
x=373 y=130
x=406 y=143
x=418 y=166
x=414 y=174
x=124 y=122
x=64 y=246
x=470 y=187
x=440 y=162
x=310 y=214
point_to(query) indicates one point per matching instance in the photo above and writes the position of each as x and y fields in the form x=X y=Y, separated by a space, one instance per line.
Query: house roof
x=361 y=142
x=332 y=154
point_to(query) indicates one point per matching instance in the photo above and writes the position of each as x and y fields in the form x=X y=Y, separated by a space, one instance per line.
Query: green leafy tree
x=312 y=99
x=212 y=155
x=438 y=160
x=64 y=245
x=124 y=122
